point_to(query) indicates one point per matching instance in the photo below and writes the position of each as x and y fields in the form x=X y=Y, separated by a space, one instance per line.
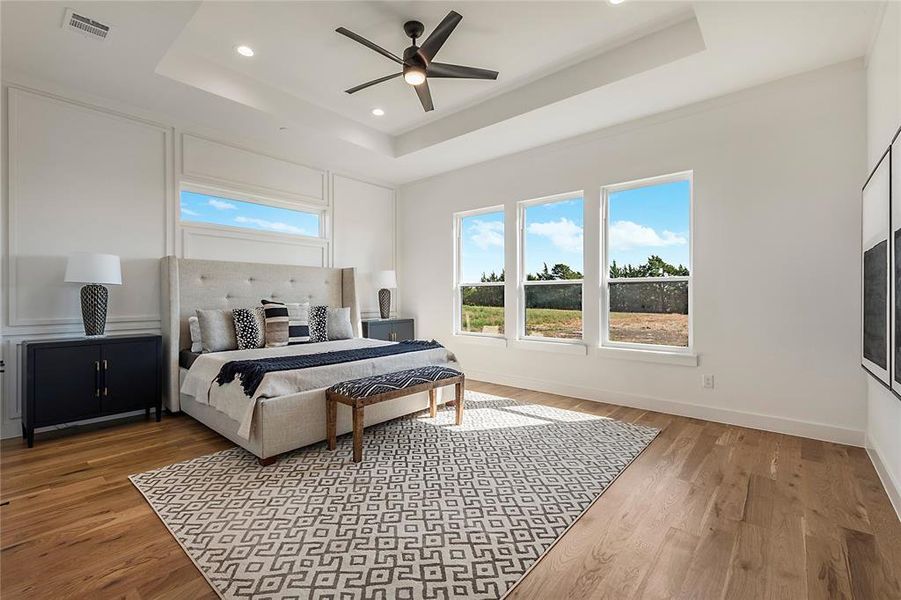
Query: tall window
x=272 y=217
x=480 y=272
x=552 y=267
x=647 y=228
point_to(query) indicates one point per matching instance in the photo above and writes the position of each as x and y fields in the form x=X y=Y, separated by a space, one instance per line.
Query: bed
x=295 y=415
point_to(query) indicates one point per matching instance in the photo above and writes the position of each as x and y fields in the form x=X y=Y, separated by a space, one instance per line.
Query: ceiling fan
x=417 y=62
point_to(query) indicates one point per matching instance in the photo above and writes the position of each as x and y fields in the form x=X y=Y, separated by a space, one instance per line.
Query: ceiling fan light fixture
x=414 y=76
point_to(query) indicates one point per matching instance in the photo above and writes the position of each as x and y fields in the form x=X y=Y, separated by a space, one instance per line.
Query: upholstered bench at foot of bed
x=359 y=393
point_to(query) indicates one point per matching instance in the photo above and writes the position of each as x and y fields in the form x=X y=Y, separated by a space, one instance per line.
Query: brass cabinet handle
x=96 y=378
x=105 y=369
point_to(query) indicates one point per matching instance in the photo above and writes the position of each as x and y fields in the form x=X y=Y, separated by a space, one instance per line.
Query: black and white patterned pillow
x=250 y=327
x=318 y=323
x=298 y=323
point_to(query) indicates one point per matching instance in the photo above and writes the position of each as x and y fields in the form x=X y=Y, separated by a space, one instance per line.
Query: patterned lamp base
x=94 y=300
x=385 y=303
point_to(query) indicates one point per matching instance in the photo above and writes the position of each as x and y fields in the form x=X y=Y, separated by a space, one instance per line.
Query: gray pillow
x=339 y=324
x=217 y=330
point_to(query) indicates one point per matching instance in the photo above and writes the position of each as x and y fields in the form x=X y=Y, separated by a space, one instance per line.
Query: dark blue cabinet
x=75 y=379
x=391 y=330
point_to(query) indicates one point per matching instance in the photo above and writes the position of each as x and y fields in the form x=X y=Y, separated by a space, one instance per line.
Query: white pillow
x=194 y=326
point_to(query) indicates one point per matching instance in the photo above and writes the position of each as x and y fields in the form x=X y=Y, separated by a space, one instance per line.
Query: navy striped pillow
x=298 y=323
x=276 y=317
x=286 y=323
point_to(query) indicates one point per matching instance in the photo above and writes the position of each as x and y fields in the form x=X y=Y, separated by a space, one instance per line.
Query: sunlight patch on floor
x=515 y=415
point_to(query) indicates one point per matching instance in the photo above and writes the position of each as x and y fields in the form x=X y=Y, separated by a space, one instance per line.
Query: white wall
x=777 y=175
x=365 y=219
x=883 y=120
x=88 y=175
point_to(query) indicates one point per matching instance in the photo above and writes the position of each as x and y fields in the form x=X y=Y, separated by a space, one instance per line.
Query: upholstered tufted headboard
x=189 y=284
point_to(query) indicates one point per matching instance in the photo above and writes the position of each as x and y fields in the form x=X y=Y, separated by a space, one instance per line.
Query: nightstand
x=390 y=330
x=70 y=380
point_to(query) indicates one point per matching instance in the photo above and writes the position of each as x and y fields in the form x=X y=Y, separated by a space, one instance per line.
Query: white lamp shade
x=384 y=280
x=85 y=267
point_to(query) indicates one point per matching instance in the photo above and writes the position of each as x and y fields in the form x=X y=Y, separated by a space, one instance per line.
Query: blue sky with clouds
x=650 y=220
x=482 y=247
x=643 y=221
x=554 y=235
x=249 y=215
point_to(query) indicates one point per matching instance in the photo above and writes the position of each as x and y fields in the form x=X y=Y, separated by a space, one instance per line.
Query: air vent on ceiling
x=85 y=26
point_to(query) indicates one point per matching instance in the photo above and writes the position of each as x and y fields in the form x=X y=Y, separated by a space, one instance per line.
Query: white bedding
x=231 y=400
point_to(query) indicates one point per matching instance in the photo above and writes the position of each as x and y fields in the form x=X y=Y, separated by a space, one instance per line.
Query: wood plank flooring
x=707 y=511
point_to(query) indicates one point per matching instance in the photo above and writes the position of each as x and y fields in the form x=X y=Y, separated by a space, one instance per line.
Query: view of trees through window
x=481 y=251
x=647 y=253
x=552 y=255
x=648 y=267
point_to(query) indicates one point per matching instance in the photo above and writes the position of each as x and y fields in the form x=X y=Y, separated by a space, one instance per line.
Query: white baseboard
x=817 y=431
x=892 y=487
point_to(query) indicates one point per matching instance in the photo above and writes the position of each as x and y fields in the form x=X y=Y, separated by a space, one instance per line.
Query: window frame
x=521 y=271
x=229 y=194
x=606 y=280
x=459 y=284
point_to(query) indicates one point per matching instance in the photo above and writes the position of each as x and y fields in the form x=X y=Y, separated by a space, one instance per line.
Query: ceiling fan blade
x=368 y=44
x=425 y=96
x=363 y=86
x=458 y=72
x=436 y=39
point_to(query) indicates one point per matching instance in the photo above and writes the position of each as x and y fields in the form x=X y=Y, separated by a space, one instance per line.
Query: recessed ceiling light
x=615 y=2
x=244 y=51
x=378 y=112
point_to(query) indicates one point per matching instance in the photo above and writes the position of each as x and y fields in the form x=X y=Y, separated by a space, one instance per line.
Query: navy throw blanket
x=252 y=371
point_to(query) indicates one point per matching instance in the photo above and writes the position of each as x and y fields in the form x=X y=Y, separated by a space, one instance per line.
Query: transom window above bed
x=271 y=216
x=479 y=289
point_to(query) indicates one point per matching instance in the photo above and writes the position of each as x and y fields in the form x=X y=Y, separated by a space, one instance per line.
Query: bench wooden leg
x=265 y=462
x=358 y=433
x=433 y=403
x=458 y=401
x=331 y=419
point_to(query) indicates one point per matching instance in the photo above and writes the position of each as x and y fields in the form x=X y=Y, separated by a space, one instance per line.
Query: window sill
x=575 y=348
x=481 y=340
x=684 y=359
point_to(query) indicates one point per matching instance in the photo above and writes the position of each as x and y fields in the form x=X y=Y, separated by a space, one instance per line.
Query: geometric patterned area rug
x=434 y=511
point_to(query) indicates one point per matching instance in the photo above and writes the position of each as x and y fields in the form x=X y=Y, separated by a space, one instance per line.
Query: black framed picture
x=876 y=264
x=894 y=162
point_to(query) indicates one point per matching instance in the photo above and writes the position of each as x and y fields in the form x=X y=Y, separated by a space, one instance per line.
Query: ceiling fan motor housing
x=412 y=58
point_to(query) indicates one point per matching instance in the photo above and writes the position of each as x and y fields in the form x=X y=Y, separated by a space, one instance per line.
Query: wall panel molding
x=197 y=240
x=364 y=233
x=220 y=163
x=15 y=99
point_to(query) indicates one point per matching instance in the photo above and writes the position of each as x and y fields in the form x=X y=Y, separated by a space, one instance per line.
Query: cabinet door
x=130 y=376
x=66 y=384
x=379 y=331
x=403 y=330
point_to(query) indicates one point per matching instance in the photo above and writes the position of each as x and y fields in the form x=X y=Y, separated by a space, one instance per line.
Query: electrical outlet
x=707 y=381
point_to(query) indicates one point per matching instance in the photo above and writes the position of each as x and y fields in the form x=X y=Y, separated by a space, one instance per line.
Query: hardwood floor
x=707 y=511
